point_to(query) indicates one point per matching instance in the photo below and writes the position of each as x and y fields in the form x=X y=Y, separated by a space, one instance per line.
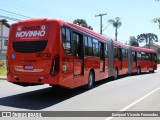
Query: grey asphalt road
x=108 y=95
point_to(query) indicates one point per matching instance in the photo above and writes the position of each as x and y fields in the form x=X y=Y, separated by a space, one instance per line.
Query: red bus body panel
x=36 y=55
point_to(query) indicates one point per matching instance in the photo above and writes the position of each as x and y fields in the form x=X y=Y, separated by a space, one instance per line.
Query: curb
x=3 y=78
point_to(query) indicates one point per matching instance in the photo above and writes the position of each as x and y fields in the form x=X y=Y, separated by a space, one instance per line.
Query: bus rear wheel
x=138 y=70
x=116 y=74
x=153 y=69
x=90 y=80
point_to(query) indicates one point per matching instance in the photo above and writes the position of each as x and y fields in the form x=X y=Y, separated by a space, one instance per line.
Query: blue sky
x=136 y=15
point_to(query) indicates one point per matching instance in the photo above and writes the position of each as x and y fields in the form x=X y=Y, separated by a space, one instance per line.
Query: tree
x=83 y=23
x=157 y=21
x=149 y=38
x=133 y=41
x=116 y=24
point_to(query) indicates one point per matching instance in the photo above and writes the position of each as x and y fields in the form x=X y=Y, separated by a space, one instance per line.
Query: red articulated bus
x=55 y=52
x=143 y=59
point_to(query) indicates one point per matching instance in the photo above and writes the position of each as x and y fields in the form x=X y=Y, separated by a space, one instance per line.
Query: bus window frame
x=71 y=41
x=88 y=45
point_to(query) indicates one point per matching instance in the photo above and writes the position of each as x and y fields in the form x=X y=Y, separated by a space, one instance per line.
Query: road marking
x=109 y=118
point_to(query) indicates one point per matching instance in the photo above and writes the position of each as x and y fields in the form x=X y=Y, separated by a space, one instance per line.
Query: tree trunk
x=149 y=44
x=116 y=33
x=146 y=42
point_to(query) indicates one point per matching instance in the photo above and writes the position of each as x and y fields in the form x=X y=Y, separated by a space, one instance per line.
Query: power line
x=14 y=13
x=100 y=15
x=9 y=18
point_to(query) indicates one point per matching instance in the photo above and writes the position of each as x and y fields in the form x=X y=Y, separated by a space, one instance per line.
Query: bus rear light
x=55 y=66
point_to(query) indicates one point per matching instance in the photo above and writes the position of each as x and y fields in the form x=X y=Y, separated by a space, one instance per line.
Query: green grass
x=3 y=69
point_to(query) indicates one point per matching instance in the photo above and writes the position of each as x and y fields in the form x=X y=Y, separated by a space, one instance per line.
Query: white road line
x=109 y=118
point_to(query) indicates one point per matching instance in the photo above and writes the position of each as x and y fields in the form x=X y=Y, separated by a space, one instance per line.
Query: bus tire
x=90 y=80
x=116 y=73
x=153 y=69
x=138 y=70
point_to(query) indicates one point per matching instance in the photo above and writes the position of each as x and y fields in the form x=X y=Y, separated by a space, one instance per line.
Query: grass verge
x=3 y=69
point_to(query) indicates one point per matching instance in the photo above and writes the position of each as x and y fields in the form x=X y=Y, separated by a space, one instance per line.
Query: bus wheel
x=90 y=80
x=116 y=74
x=138 y=70
x=153 y=69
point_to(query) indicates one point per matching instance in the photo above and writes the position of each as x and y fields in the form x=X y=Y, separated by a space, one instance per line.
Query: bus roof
x=140 y=49
x=117 y=43
x=74 y=26
x=86 y=30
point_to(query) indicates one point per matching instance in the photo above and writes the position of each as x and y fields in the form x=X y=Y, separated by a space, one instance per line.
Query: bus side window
x=95 y=48
x=66 y=40
x=106 y=50
x=102 y=50
x=77 y=44
x=147 y=56
x=88 y=46
x=120 y=53
x=133 y=55
x=143 y=55
x=116 y=52
x=150 y=56
x=139 y=55
x=125 y=54
x=155 y=57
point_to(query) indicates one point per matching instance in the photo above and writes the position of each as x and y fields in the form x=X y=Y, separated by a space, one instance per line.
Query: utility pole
x=100 y=15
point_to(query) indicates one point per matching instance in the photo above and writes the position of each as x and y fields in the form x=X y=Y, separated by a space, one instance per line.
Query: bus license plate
x=28 y=67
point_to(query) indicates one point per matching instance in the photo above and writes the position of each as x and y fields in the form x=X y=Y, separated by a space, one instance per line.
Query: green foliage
x=3 y=69
x=83 y=23
x=157 y=21
x=133 y=41
x=149 y=38
x=116 y=24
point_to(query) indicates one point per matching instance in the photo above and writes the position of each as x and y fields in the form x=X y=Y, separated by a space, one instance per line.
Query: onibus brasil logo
x=31 y=31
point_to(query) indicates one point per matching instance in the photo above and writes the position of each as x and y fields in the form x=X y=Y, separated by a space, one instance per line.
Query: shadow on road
x=43 y=98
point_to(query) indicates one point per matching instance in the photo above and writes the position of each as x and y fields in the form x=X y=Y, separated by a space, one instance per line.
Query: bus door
x=149 y=58
x=102 y=56
x=78 y=54
x=134 y=60
x=120 y=57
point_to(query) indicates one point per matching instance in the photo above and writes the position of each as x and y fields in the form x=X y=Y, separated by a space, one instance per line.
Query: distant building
x=4 y=32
